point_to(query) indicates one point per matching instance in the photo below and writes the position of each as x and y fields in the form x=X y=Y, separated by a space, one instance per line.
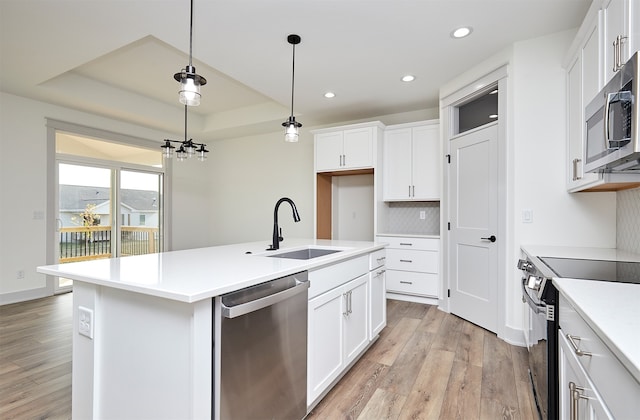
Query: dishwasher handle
x=263 y=302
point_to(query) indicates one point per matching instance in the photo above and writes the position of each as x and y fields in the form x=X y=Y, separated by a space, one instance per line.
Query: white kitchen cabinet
x=589 y=65
x=618 y=35
x=578 y=398
x=413 y=266
x=583 y=83
x=411 y=168
x=606 y=388
x=338 y=332
x=347 y=147
x=377 y=293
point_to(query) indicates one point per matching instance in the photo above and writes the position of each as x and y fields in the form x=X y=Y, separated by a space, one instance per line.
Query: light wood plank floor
x=426 y=364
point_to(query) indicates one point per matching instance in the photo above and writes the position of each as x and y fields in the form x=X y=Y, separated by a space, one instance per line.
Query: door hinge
x=448 y=292
x=448 y=158
x=448 y=225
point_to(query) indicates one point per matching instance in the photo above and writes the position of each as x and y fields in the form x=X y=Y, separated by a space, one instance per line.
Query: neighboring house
x=137 y=207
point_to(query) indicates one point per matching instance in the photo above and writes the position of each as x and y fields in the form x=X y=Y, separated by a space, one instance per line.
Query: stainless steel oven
x=541 y=336
x=542 y=306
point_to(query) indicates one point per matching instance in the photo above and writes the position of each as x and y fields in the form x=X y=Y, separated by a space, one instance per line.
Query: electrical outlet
x=85 y=322
x=20 y=274
x=423 y=215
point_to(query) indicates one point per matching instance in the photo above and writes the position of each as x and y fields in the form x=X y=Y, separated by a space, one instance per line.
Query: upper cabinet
x=346 y=148
x=618 y=42
x=604 y=42
x=411 y=162
x=583 y=83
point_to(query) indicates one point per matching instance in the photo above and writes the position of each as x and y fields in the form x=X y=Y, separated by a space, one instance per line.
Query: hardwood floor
x=426 y=364
x=35 y=359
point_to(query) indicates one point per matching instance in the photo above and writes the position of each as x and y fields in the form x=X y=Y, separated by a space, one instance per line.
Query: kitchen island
x=143 y=330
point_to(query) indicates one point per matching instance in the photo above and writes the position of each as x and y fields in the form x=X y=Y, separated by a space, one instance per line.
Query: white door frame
x=448 y=120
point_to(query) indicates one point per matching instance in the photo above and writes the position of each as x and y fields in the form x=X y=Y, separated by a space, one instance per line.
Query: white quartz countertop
x=403 y=235
x=196 y=274
x=611 y=309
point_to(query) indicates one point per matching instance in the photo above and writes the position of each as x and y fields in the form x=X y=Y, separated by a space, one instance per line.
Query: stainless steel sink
x=305 y=254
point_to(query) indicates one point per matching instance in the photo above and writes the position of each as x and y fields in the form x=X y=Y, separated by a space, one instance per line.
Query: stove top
x=619 y=271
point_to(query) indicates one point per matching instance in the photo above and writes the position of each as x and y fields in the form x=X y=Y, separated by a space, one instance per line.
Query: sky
x=101 y=177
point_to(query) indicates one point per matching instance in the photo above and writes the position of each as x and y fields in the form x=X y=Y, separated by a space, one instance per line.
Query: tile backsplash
x=404 y=218
x=628 y=220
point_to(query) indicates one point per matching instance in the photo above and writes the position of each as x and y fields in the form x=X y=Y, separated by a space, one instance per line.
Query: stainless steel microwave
x=611 y=133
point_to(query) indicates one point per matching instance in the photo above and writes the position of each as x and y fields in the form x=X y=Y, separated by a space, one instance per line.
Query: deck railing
x=80 y=243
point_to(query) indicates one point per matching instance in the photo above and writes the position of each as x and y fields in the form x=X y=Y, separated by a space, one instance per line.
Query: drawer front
x=618 y=388
x=330 y=277
x=422 y=284
x=410 y=260
x=424 y=244
x=377 y=259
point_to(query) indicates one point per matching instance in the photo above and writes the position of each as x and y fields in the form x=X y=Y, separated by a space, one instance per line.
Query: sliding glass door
x=109 y=201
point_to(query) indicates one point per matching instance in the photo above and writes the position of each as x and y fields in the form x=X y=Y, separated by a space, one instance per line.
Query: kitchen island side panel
x=150 y=357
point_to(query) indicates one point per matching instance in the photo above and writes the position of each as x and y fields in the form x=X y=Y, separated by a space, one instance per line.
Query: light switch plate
x=85 y=321
x=527 y=216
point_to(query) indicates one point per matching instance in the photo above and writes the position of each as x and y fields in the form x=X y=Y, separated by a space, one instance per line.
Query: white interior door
x=473 y=251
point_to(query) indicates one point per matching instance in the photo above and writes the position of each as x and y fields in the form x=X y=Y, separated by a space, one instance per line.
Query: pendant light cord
x=293 y=75
x=185 y=123
x=190 y=34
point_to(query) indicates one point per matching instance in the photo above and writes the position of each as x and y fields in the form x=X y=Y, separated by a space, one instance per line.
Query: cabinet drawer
x=425 y=244
x=330 y=277
x=615 y=384
x=411 y=260
x=405 y=282
x=377 y=259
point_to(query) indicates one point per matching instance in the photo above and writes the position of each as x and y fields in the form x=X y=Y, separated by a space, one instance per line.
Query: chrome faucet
x=277 y=232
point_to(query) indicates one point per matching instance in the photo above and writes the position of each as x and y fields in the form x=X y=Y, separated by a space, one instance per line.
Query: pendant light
x=188 y=148
x=190 y=81
x=291 y=125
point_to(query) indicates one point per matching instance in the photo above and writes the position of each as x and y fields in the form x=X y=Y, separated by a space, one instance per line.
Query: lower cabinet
x=593 y=383
x=413 y=265
x=338 y=332
x=578 y=398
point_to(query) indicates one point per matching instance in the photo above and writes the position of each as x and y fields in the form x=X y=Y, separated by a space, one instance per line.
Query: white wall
x=23 y=193
x=536 y=159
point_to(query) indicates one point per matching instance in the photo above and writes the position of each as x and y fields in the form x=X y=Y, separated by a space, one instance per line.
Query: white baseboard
x=513 y=336
x=411 y=298
x=24 y=295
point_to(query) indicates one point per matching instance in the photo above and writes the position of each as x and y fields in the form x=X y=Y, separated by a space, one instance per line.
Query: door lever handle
x=491 y=238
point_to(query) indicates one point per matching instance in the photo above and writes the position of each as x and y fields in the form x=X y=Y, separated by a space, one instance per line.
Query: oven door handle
x=538 y=308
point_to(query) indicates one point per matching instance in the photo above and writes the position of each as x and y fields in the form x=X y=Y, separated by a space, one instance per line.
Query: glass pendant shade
x=291 y=133
x=202 y=153
x=167 y=149
x=190 y=83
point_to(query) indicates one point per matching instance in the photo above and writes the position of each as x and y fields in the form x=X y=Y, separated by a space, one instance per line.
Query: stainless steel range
x=542 y=298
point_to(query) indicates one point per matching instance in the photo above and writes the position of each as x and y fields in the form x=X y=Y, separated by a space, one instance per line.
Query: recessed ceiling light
x=408 y=78
x=329 y=95
x=461 y=32
x=493 y=92
x=493 y=116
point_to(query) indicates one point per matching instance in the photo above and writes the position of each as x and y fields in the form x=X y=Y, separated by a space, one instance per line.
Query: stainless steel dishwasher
x=261 y=351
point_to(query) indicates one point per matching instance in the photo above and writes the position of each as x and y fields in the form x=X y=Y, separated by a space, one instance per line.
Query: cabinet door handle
x=346 y=304
x=405 y=244
x=576 y=349
x=413 y=191
x=576 y=166
x=617 y=52
x=380 y=272
x=406 y=261
x=405 y=282
x=381 y=259
x=575 y=395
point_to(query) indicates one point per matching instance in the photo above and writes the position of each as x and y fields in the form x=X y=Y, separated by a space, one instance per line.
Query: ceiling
x=117 y=58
